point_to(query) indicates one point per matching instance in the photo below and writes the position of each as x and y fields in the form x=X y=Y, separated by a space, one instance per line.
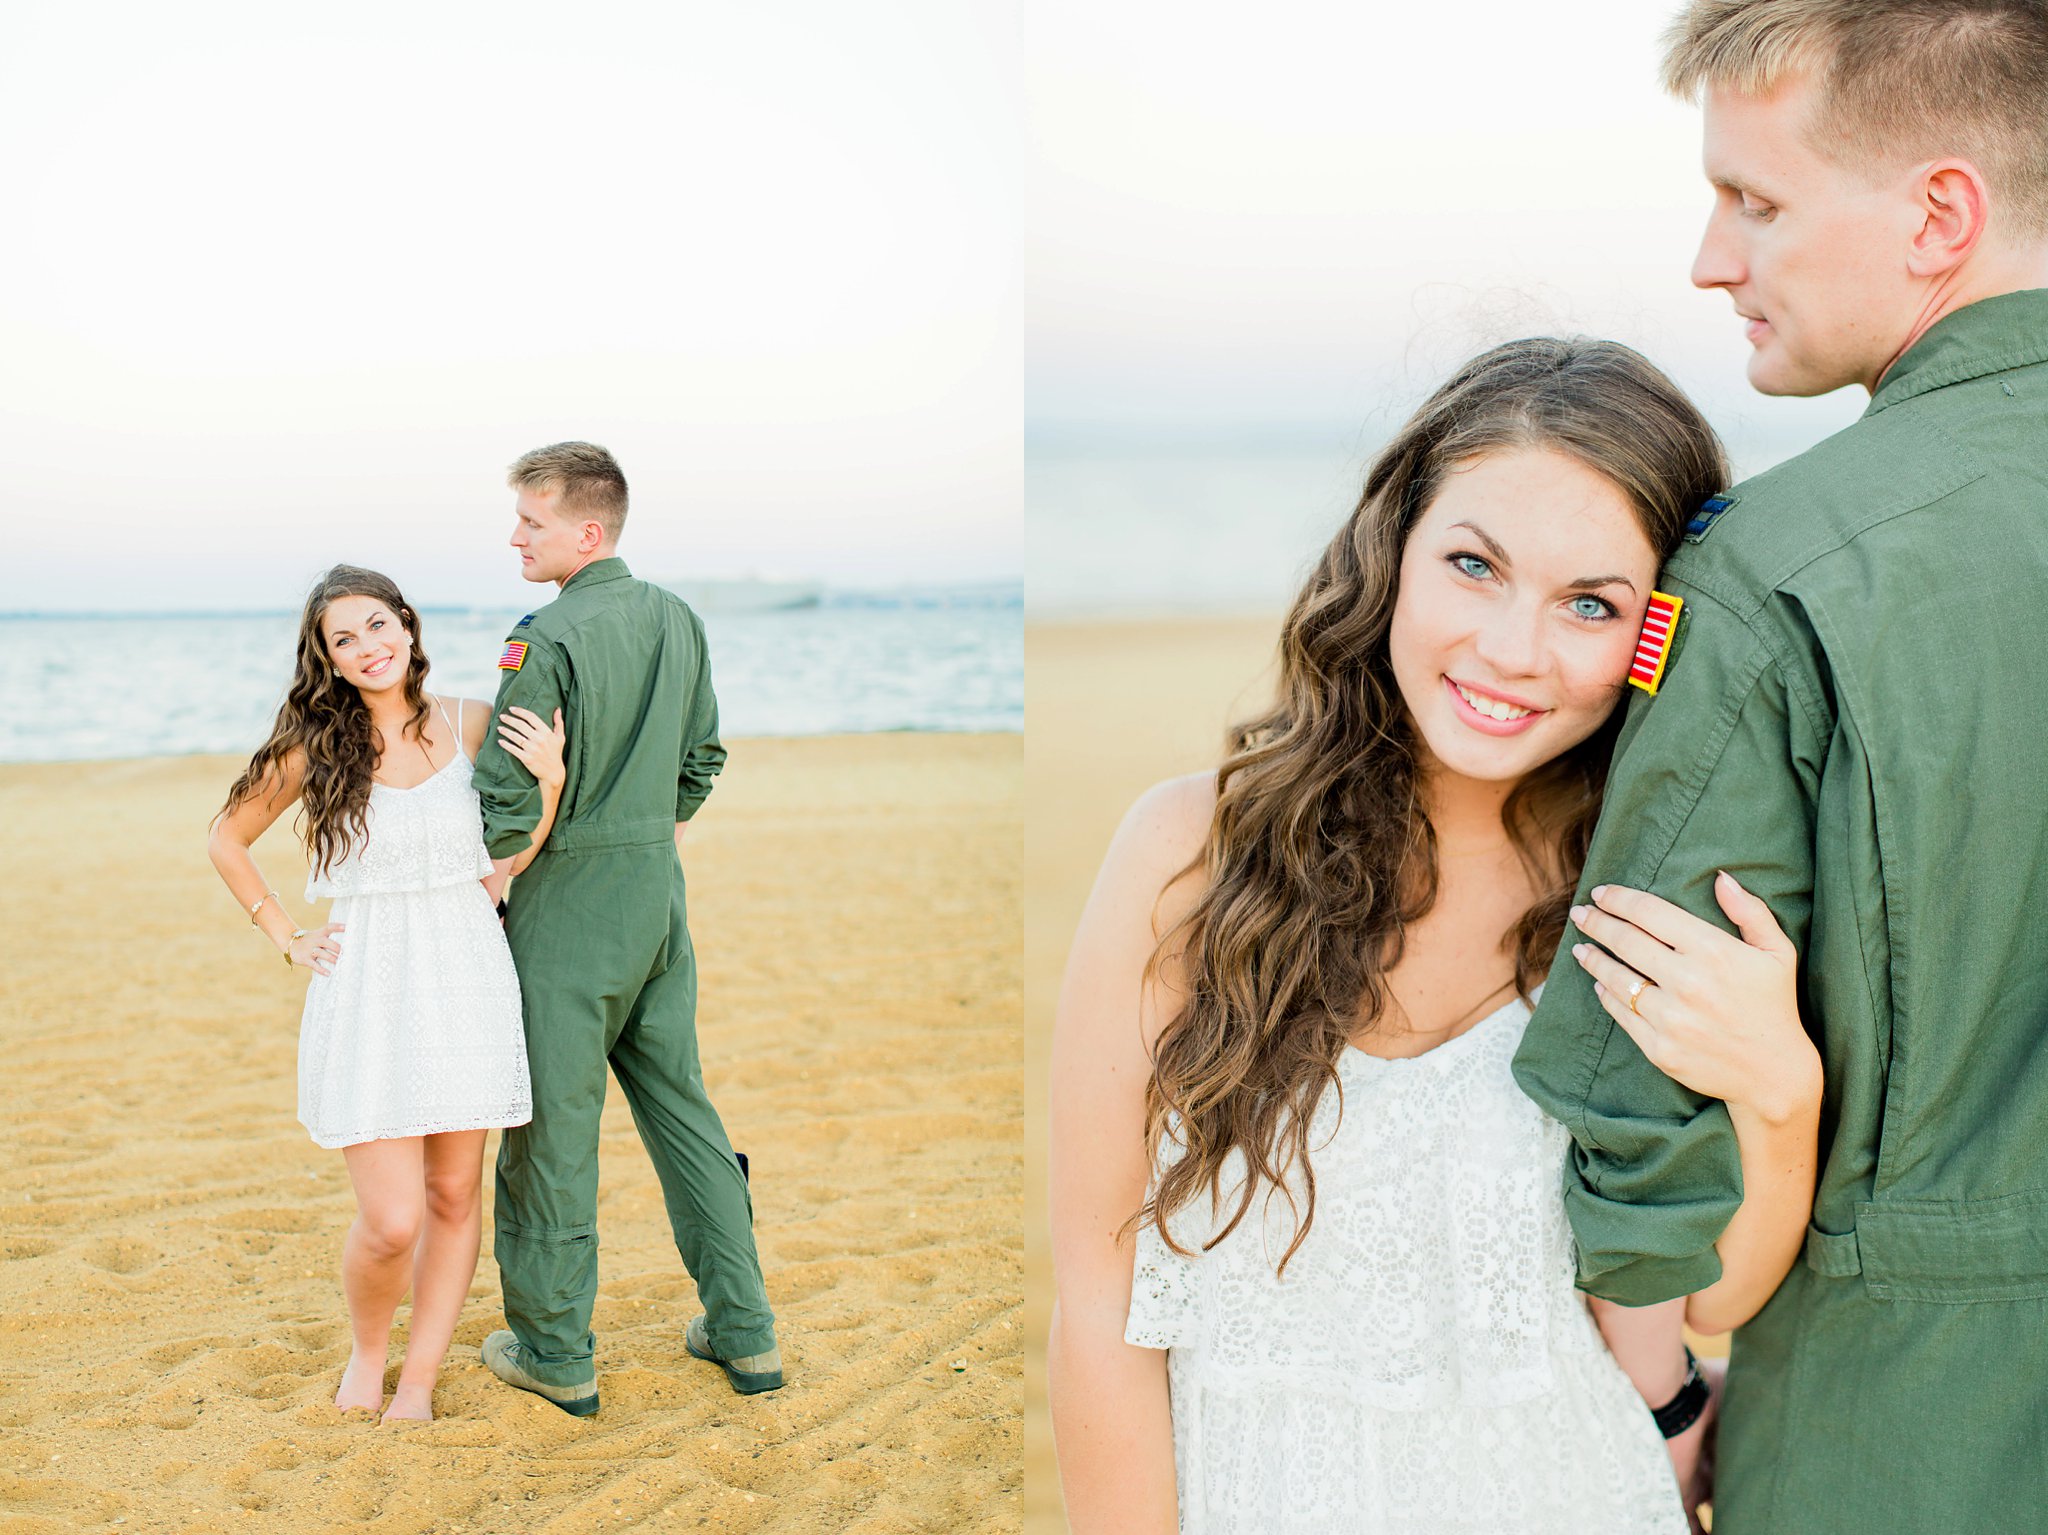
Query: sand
x=1114 y=709
x=171 y=1321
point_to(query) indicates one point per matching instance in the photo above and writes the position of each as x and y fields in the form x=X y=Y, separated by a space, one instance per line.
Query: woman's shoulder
x=471 y=716
x=1147 y=876
x=1165 y=829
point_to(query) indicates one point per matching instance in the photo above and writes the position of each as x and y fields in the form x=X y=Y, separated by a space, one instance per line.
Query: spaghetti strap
x=454 y=724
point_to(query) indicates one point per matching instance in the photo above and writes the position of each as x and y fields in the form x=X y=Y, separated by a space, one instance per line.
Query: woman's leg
x=444 y=1266
x=376 y=1260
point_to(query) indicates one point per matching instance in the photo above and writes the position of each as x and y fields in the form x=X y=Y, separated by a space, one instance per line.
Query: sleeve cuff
x=687 y=805
x=509 y=843
x=1637 y=1278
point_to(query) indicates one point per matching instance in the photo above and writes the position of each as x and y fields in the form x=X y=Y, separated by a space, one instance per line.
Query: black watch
x=1684 y=1409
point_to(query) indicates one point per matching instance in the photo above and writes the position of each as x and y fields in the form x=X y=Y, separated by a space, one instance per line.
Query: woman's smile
x=1490 y=713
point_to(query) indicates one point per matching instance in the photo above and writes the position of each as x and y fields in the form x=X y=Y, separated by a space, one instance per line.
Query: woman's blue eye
x=1464 y=564
x=1593 y=608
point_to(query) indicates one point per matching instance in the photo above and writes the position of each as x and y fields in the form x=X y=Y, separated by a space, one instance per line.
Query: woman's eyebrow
x=375 y=614
x=1500 y=556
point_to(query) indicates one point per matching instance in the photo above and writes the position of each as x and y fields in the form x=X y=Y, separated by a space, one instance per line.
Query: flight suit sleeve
x=703 y=756
x=1720 y=770
x=508 y=791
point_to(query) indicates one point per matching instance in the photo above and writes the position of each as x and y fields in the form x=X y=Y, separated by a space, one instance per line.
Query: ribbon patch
x=1653 y=649
x=514 y=657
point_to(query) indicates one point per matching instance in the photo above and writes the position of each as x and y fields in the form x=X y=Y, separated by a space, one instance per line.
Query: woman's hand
x=521 y=732
x=1715 y=1013
x=317 y=948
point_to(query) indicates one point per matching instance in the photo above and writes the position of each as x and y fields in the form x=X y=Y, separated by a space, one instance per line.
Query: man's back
x=626 y=663
x=1855 y=725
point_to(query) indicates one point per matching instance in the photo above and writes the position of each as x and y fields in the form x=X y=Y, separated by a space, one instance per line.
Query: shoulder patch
x=1654 y=648
x=1704 y=519
x=513 y=656
x=524 y=622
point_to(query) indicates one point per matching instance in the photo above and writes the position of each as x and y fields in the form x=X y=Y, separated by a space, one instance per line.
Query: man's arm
x=512 y=799
x=1720 y=770
x=702 y=755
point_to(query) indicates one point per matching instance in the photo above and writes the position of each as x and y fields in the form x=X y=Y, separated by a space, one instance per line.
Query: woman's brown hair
x=326 y=718
x=1319 y=853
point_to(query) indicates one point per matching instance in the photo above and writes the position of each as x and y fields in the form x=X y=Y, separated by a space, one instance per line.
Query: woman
x=411 y=1045
x=1281 y=1088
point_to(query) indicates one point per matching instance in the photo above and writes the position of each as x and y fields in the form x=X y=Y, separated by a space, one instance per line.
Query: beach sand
x=1114 y=709
x=171 y=1321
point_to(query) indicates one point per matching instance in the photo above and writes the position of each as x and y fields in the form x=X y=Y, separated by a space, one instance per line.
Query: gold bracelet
x=268 y=895
x=297 y=934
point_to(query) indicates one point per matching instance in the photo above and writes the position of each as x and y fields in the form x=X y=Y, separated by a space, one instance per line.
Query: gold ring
x=1634 y=992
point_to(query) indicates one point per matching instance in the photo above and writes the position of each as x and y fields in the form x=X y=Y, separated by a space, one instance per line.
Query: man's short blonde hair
x=1899 y=81
x=588 y=478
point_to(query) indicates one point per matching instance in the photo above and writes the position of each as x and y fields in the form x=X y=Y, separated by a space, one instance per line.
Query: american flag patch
x=1653 y=650
x=513 y=657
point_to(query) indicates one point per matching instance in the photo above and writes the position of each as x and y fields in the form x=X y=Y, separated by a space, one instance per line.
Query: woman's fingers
x=1612 y=984
x=1627 y=942
x=1672 y=926
x=1752 y=917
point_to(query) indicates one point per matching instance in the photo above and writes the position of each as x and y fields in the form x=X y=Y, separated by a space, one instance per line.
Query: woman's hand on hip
x=526 y=736
x=1715 y=1013
x=317 y=948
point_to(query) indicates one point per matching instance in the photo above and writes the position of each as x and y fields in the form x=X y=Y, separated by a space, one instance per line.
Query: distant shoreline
x=8 y=764
x=969 y=595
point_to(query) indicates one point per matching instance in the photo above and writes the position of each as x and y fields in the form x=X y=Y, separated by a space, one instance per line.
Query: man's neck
x=600 y=553
x=1969 y=284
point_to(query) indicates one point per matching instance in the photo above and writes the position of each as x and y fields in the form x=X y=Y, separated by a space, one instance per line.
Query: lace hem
x=334 y=1142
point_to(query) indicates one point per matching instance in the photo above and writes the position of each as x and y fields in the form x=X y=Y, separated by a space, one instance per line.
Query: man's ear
x=590 y=536
x=1955 y=207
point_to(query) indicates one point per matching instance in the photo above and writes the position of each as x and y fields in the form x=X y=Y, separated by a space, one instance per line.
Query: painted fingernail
x=1578 y=951
x=1578 y=913
x=1599 y=891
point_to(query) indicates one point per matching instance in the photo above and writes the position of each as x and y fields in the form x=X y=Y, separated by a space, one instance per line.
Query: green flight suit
x=1855 y=725
x=597 y=928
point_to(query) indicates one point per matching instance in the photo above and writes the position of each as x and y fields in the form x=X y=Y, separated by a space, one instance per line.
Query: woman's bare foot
x=413 y=1404
x=362 y=1384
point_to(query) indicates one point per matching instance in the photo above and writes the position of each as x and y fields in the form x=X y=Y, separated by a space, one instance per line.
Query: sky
x=288 y=285
x=1285 y=224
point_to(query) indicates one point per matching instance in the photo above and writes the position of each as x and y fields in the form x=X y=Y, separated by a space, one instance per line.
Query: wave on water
x=79 y=686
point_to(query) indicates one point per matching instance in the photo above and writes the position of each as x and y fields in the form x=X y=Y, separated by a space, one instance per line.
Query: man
x=597 y=928
x=1854 y=723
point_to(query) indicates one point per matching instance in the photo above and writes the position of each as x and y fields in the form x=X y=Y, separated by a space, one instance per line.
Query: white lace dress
x=418 y=1030
x=1426 y=1366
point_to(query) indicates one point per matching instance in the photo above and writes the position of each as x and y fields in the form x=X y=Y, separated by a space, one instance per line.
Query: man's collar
x=597 y=572
x=1989 y=336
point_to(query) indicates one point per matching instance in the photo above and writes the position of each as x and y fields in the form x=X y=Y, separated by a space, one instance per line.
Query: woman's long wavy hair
x=326 y=718
x=1320 y=854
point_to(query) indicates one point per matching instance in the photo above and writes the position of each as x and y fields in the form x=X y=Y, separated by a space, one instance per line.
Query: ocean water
x=1149 y=531
x=1131 y=526
x=133 y=685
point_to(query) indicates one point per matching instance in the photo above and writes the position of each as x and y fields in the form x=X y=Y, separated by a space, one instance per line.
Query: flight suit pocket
x=1955 y=1251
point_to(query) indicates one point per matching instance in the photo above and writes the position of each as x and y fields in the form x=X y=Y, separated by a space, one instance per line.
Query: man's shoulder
x=1772 y=526
x=541 y=623
x=669 y=603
